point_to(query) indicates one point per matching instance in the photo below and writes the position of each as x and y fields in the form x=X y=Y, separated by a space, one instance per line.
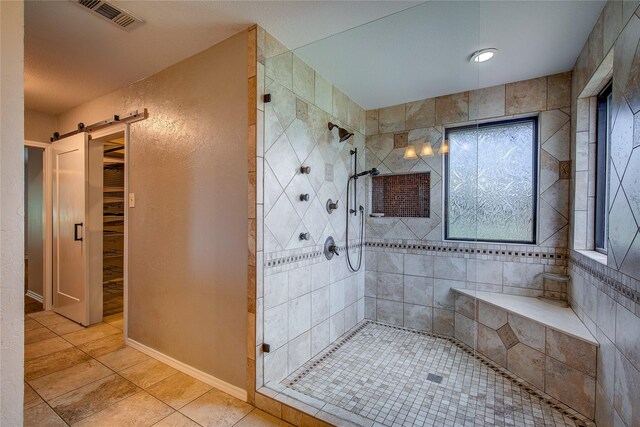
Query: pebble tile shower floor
x=399 y=377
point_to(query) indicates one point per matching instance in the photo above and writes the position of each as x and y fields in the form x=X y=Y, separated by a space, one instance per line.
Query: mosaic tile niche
x=304 y=302
x=412 y=287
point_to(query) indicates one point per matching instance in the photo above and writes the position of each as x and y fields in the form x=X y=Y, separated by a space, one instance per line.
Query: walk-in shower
x=433 y=317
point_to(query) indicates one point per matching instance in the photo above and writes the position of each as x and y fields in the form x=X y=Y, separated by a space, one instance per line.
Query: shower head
x=342 y=132
x=372 y=172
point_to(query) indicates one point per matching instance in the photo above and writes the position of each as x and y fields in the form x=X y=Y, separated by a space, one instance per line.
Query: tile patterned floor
x=398 y=377
x=88 y=377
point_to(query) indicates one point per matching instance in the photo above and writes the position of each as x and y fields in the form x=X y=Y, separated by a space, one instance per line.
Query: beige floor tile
x=42 y=416
x=118 y=324
x=42 y=348
x=53 y=362
x=123 y=358
x=65 y=327
x=30 y=324
x=31 y=398
x=178 y=390
x=216 y=408
x=258 y=418
x=48 y=318
x=69 y=379
x=92 y=398
x=176 y=420
x=91 y=333
x=113 y=318
x=141 y=409
x=148 y=373
x=38 y=334
x=103 y=346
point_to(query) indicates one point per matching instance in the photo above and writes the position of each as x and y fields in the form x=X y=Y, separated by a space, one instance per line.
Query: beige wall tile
x=371 y=127
x=391 y=119
x=490 y=344
x=323 y=93
x=303 y=80
x=527 y=363
x=269 y=405
x=595 y=45
x=571 y=387
x=491 y=316
x=420 y=114
x=572 y=351
x=487 y=102
x=452 y=108
x=528 y=332
x=526 y=96
x=559 y=91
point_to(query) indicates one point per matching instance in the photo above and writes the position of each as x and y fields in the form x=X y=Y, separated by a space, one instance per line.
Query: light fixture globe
x=483 y=55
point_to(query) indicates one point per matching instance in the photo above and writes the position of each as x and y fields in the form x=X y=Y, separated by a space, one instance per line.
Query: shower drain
x=434 y=378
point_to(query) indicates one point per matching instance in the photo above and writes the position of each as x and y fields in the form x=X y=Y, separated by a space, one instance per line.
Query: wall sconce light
x=410 y=152
x=444 y=147
x=427 y=150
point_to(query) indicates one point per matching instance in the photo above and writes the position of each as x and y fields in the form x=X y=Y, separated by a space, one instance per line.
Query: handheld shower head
x=372 y=172
x=342 y=132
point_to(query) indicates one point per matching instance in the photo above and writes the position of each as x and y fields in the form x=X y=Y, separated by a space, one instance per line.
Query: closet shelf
x=113 y=190
x=110 y=199
x=113 y=161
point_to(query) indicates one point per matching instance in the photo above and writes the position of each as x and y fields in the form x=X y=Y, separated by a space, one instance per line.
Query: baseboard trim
x=221 y=385
x=35 y=296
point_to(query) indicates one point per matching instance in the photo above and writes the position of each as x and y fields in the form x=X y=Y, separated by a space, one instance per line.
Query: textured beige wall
x=11 y=212
x=38 y=126
x=188 y=231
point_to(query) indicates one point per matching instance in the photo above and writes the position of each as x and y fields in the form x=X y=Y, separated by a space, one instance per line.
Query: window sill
x=594 y=255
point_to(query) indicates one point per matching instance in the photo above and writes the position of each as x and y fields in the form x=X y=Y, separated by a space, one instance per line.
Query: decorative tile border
x=554 y=403
x=609 y=281
x=311 y=255
x=533 y=253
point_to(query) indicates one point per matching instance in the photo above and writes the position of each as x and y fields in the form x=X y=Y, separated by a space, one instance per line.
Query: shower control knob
x=305 y=169
x=331 y=205
x=334 y=250
x=305 y=236
x=304 y=197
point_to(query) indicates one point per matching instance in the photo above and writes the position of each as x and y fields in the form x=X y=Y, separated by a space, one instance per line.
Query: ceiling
x=424 y=51
x=73 y=56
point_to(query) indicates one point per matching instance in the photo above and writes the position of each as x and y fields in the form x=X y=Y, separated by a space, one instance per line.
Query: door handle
x=75 y=232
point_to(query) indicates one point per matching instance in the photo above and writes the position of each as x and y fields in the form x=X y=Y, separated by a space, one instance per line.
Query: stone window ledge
x=594 y=255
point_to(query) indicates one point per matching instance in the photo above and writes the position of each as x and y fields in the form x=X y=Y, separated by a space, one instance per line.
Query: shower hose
x=361 y=211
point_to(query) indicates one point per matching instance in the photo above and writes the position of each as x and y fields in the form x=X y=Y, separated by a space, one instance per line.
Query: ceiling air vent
x=111 y=13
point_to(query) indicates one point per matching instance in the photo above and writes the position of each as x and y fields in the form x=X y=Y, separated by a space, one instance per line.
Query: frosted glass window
x=491 y=181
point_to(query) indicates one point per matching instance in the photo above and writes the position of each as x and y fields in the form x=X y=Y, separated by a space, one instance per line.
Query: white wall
x=11 y=212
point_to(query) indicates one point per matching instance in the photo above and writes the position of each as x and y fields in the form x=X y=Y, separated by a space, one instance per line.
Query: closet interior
x=113 y=230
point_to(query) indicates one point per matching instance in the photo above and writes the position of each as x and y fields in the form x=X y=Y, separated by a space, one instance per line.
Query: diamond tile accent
x=507 y=336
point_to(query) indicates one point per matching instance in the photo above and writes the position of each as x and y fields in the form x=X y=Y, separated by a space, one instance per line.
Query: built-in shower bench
x=543 y=343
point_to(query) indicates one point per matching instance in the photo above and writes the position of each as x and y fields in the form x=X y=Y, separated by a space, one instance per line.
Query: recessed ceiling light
x=483 y=55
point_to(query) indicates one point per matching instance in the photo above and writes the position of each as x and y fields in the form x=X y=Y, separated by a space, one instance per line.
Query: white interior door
x=70 y=240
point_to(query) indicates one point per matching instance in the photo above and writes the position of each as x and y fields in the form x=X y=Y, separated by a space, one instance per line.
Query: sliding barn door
x=71 y=241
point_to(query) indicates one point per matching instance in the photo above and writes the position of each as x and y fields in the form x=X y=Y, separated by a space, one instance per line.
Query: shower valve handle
x=334 y=250
x=305 y=236
x=304 y=197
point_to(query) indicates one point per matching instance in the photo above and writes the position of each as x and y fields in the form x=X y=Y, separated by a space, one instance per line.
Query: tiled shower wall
x=410 y=270
x=605 y=290
x=304 y=301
